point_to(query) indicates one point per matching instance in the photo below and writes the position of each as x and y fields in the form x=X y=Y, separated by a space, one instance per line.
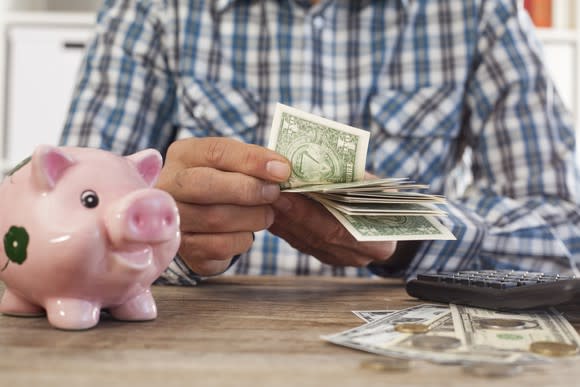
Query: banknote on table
x=513 y=331
x=328 y=164
x=440 y=344
x=383 y=328
x=371 y=315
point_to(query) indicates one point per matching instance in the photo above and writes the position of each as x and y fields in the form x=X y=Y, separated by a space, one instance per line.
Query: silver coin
x=435 y=343
x=489 y=370
x=502 y=323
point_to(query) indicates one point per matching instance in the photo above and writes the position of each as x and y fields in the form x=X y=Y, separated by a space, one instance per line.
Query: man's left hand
x=309 y=227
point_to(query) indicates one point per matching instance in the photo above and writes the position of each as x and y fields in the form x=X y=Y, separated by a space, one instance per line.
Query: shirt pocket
x=215 y=109
x=414 y=132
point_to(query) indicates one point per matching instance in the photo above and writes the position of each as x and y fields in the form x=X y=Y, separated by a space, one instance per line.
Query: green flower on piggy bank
x=15 y=245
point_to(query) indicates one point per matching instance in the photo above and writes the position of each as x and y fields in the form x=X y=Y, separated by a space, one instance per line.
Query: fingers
x=230 y=155
x=221 y=170
x=308 y=226
x=222 y=188
x=207 y=186
x=314 y=243
x=209 y=254
x=370 y=176
x=224 y=218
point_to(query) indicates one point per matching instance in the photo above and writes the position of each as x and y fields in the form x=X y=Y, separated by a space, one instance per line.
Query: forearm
x=528 y=234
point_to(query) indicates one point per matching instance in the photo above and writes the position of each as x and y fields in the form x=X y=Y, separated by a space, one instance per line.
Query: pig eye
x=89 y=199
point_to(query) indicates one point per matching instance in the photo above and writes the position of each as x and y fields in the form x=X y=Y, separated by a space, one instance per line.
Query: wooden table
x=236 y=331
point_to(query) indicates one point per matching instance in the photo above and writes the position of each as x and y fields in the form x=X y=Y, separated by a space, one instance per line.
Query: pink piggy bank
x=83 y=231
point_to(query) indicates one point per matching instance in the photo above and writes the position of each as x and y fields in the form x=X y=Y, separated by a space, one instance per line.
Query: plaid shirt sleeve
x=521 y=210
x=125 y=93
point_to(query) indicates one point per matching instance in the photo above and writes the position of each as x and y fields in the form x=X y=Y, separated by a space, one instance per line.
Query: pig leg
x=15 y=305
x=139 y=308
x=72 y=314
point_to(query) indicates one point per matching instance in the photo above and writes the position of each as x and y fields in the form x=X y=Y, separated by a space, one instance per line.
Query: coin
x=490 y=370
x=435 y=343
x=553 y=348
x=411 y=328
x=386 y=364
x=502 y=323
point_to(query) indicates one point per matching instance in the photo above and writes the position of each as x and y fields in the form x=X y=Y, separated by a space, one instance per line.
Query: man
x=433 y=81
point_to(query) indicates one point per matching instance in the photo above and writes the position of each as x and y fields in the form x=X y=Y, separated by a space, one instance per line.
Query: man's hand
x=310 y=228
x=224 y=190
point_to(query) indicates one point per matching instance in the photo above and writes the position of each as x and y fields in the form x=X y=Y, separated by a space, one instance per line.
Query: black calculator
x=497 y=289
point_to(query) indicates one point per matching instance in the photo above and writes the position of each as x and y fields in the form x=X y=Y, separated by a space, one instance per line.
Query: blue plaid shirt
x=454 y=92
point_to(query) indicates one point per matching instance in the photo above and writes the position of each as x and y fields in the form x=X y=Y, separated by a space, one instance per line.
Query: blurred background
x=42 y=44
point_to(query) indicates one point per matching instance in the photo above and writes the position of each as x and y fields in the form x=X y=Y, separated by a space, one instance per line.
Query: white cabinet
x=42 y=67
x=41 y=48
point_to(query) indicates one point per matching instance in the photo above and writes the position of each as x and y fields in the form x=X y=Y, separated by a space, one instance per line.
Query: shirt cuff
x=179 y=273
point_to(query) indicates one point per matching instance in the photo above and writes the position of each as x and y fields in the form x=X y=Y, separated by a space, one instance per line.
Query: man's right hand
x=224 y=190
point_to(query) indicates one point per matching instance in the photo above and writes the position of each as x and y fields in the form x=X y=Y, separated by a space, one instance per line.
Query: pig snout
x=151 y=218
x=146 y=216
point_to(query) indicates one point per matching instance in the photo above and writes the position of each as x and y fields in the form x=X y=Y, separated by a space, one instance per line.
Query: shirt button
x=198 y=111
x=318 y=22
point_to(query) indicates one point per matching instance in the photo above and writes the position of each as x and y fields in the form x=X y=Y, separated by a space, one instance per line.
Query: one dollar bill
x=328 y=163
x=440 y=344
x=321 y=151
x=514 y=331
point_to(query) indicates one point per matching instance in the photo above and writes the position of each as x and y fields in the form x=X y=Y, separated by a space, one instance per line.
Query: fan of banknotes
x=458 y=334
x=328 y=164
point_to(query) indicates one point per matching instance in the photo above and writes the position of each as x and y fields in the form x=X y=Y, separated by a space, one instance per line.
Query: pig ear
x=148 y=163
x=48 y=164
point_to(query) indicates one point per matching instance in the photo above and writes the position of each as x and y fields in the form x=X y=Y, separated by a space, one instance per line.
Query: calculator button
x=527 y=282
x=495 y=284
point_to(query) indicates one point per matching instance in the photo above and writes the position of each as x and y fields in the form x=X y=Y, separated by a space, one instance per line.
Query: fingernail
x=270 y=192
x=283 y=204
x=278 y=169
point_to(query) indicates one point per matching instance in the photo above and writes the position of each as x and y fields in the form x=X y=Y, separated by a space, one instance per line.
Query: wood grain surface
x=238 y=331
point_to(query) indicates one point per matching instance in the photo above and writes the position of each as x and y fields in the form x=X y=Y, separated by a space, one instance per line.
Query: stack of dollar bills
x=328 y=164
x=458 y=334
